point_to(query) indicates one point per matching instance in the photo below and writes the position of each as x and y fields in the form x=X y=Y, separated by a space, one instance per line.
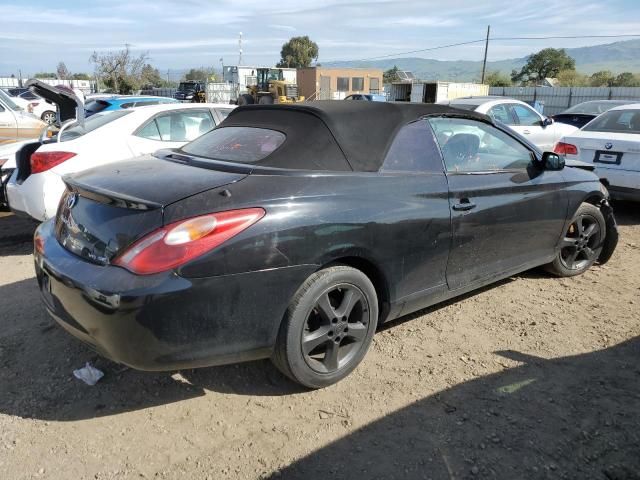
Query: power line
x=567 y=36
x=439 y=47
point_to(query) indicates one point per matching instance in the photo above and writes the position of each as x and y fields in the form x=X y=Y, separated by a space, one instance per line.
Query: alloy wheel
x=336 y=328
x=579 y=246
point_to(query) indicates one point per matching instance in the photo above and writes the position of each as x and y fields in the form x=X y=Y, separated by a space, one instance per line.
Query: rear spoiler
x=107 y=196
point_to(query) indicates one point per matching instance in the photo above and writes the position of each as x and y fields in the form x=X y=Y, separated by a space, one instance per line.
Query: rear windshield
x=464 y=106
x=593 y=108
x=616 y=121
x=236 y=144
x=90 y=124
x=95 y=106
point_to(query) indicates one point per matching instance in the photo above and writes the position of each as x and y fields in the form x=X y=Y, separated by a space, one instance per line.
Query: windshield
x=236 y=144
x=617 y=121
x=183 y=87
x=90 y=124
x=6 y=99
x=594 y=108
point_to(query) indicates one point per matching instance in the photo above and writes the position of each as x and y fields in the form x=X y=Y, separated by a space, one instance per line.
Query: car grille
x=292 y=90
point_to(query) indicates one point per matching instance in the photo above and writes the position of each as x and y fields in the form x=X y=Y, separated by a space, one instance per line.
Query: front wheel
x=328 y=327
x=581 y=244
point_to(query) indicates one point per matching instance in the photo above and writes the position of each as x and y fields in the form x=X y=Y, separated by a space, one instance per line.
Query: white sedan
x=611 y=142
x=36 y=185
x=540 y=130
x=39 y=107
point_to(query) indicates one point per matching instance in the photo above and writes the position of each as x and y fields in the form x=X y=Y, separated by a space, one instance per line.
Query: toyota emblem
x=608 y=145
x=71 y=200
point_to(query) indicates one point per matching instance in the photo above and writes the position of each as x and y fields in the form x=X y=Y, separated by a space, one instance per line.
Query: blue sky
x=35 y=35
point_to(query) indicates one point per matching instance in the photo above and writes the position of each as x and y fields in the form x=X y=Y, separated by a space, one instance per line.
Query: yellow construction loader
x=270 y=87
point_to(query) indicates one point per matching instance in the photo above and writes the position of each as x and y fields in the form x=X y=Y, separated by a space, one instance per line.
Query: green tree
x=626 y=79
x=150 y=76
x=603 y=78
x=63 y=72
x=571 y=78
x=81 y=76
x=298 y=52
x=201 y=73
x=45 y=75
x=391 y=75
x=546 y=63
x=497 y=79
x=119 y=71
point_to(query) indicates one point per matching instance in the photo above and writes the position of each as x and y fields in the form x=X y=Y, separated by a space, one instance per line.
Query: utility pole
x=486 y=47
x=240 y=49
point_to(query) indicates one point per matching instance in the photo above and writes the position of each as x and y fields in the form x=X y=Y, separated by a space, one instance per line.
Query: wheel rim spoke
x=571 y=259
x=331 y=356
x=324 y=307
x=350 y=299
x=591 y=229
x=589 y=253
x=357 y=331
x=579 y=225
x=567 y=242
x=315 y=339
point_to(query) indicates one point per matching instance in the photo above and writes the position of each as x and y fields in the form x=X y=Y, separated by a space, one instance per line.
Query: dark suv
x=191 y=91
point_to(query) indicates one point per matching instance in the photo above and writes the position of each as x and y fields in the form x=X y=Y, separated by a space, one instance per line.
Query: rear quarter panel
x=398 y=223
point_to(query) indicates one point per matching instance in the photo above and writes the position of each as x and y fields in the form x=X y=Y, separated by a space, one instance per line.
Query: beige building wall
x=336 y=83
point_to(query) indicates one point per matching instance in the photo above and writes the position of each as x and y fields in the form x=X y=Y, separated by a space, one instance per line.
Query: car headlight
x=189 y=96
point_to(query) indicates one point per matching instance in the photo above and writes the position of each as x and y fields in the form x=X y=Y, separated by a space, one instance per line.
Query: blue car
x=122 y=101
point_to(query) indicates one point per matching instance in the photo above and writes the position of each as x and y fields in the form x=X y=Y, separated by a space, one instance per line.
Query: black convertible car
x=292 y=232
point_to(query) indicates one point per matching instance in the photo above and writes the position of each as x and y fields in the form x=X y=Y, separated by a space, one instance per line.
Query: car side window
x=526 y=116
x=414 y=149
x=471 y=146
x=501 y=113
x=127 y=105
x=184 y=126
x=150 y=131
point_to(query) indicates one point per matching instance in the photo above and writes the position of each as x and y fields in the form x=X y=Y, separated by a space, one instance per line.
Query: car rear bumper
x=622 y=184
x=164 y=321
x=37 y=196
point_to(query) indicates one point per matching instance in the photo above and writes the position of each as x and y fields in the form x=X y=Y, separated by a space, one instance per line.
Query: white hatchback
x=611 y=142
x=35 y=187
x=542 y=131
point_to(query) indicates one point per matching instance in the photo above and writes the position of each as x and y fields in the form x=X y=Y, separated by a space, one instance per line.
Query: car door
x=8 y=125
x=531 y=124
x=171 y=130
x=507 y=214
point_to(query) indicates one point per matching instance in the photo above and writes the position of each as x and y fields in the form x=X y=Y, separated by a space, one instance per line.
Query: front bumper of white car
x=37 y=196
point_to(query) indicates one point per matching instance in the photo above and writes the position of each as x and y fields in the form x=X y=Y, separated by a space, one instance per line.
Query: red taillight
x=562 y=148
x=177 y=243
x=43 y=161
x=31 y=106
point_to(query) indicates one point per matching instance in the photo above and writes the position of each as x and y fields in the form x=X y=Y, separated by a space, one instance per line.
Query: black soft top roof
x=337 y=135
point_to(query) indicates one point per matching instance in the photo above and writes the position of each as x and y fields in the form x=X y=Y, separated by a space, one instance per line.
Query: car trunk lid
x=600 y=149
x=105 y=209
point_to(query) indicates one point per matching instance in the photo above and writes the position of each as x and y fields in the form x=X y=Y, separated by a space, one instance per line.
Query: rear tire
x=581 y=243
x=245 y=99
x=327 y=328
x=48 y=117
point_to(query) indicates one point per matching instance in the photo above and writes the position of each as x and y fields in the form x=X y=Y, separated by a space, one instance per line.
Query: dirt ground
x=535 y=377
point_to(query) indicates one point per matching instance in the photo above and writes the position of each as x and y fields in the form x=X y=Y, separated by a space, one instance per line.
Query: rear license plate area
x=610 y=158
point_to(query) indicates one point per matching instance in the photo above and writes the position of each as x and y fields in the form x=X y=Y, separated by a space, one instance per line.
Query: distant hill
x=617 y=57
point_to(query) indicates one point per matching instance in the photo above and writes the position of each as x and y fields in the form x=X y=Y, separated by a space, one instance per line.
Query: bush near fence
x=558 y=99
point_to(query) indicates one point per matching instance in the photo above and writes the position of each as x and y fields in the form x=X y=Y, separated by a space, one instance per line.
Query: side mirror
x=552 y=161
x=547 y=121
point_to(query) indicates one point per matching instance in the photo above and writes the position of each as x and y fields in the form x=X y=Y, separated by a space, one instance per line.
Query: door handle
x=464 y=205
x=526 y=132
